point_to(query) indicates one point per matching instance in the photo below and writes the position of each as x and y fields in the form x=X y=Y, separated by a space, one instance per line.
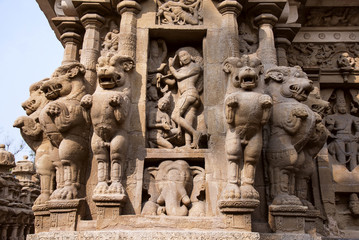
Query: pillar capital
x=128 y=6
x=92 y=19
x=70 y=37
x=266 y=12
x=230 y=6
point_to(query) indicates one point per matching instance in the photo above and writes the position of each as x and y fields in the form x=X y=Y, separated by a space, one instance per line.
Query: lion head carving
x=244 y=71
x=291 y=82
x=66 y=79
x=111 y=70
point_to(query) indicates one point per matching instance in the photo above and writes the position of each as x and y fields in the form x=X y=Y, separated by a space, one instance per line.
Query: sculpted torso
x=105 y=123
x=187 y=77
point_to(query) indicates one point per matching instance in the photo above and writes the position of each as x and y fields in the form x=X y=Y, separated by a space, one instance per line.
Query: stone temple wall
x=193 y=118
x=17 y=195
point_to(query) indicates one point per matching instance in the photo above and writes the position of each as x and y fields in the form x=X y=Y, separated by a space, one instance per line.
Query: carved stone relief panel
x=174 y=89
x=330 y=17
x=343 y=125
x=179 y=12
x=174 y=188
x=325 y=56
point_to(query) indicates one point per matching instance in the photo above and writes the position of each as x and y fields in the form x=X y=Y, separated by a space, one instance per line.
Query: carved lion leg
x=251 y=155
x=101 y=155
x=45 y=169
x=73 y=151
x=118 y=148
x=234 y=154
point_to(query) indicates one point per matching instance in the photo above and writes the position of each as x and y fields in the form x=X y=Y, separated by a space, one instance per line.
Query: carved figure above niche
x=179 y=12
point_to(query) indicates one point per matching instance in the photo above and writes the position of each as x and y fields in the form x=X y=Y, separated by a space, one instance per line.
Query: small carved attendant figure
x=110 y=43
x=340 y=124
x=187 y=78
x=161 y=127
x=246 y=112
x=107 y=109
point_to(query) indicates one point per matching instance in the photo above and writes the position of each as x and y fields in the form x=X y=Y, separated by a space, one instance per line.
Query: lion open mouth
x=108 y=82
x=52 y=91
x=248 y=81
x=300 y=93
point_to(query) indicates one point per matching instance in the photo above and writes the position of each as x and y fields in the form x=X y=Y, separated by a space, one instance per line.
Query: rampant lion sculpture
x=65 y=126
x=33 y=135
x=246 y=111
x=107 y=109
x=296 y=134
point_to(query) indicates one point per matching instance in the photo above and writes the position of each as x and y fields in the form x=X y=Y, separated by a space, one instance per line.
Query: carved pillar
x=14 y=232
x=4 y=228
x=266 y=16
x=21 y=229
x=284 y=35
x=282 y=45
x=127 y=42
x=70 y=29
x=91 y=46
x=230 y=10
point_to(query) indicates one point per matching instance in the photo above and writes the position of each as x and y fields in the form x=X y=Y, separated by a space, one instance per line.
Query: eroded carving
x=34 y=136
x=296 y=135
x=180 y=12
x=107 y=110
x=333 y=17
x=344 y=129
x=111 y=39
x=170 y=186
x=65 y=126
x=246 y=111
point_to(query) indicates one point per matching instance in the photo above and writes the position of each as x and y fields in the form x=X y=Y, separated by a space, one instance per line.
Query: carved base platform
x=146 y=234
x=109 y=206
x=286 y=236
x=65 y=214
x=313 y=222
x=42 y=218
x=287 y=218
x=238 y=213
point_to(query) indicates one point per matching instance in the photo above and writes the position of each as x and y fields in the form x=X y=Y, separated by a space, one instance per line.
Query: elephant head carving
x=170 y=186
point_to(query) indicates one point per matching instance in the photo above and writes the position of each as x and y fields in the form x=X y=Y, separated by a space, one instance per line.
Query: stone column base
x=64 y=214
x=42 y=218
x=109 y=206
x=238 y=213
x=287 y=218
x=146 y=235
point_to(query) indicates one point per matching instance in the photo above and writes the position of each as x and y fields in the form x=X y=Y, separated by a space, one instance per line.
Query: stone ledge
x=146 y=234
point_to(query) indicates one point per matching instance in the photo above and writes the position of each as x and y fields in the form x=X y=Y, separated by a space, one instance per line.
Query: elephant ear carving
x=199 y=177
x=149 y=179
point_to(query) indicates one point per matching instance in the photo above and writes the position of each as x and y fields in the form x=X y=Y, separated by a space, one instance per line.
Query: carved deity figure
x=344 y=129
x=110 y=42
x=107 y=110
x=291 y=144
x=179 y=12
x=32 y=133
x=170 y=185
x=161 y=127
x=65 y=126
x=345 y=61
x=155 y=67
x=187 y=77
x=246 y=111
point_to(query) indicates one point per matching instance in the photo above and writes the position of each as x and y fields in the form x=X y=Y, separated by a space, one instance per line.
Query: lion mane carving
x=65 y=126
x=296 y=135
